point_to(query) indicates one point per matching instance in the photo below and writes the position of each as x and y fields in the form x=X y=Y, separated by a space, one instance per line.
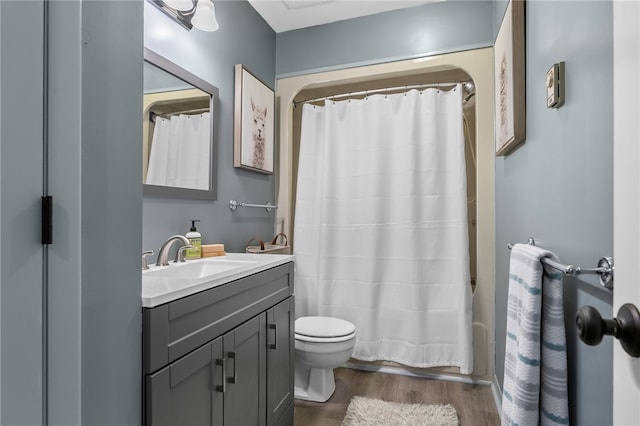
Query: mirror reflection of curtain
x=180 y=151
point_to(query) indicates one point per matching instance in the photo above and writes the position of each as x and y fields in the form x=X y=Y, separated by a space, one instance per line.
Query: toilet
x=322 y=344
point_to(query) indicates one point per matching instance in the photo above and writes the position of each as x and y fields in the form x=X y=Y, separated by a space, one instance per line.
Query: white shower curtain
x=180 y=151
x=380 y=233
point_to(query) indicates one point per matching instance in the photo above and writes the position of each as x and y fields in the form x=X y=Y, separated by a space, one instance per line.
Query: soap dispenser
x=195 y=238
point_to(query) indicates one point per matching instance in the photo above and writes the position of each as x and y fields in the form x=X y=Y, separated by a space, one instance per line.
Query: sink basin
x=162 y=284
x=201 y=268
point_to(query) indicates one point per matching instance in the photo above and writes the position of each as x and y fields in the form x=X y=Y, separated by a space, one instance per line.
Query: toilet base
x=314 y=384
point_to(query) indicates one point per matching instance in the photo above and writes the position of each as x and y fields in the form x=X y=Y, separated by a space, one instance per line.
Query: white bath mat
x=375 y=412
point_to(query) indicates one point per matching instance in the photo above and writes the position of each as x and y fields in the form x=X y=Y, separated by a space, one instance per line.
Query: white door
x=22 y=256
x=626 y=246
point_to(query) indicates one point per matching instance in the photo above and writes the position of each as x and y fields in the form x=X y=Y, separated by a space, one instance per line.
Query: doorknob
x=626 y=327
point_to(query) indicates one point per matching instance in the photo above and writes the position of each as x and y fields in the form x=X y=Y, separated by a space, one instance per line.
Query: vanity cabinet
x=181 y=392
x=224 y=356
x=280 y=363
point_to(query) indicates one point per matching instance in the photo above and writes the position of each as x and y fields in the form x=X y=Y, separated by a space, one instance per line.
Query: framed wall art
x=510 y=80
x=253 y=122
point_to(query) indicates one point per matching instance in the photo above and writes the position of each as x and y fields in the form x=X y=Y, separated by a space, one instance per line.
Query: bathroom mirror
x=179 y=119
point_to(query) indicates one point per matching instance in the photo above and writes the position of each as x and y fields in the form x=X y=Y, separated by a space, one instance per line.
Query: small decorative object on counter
x=274 y=247
x=212 y=250
x=195 y=238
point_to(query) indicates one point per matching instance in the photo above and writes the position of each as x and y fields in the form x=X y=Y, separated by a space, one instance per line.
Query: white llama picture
x=504 y=84
x=254 y=146
x=509 y=51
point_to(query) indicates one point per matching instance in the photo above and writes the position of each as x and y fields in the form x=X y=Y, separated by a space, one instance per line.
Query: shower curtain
x=180 y=151
x=380 y=233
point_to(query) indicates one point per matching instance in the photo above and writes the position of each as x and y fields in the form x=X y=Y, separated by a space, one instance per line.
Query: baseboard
x=497 y=395
x=398 y=370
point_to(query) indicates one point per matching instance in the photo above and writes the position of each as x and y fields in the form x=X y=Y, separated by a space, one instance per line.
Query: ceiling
x=286 y=15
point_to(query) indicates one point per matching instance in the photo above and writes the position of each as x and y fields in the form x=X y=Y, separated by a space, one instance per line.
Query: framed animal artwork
x=509 y=52
x=253 y=123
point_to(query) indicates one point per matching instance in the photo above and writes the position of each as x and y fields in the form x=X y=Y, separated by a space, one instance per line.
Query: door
x=626 y=246
x=280 y=365
x=245 y=353
x=189 y=391
x=22 y=257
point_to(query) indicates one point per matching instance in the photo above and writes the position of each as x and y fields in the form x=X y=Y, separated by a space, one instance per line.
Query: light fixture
x=204 y=17
x=180 y=5
x=190 y=13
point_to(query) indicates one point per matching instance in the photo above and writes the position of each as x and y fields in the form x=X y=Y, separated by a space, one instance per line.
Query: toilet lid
x=323 y=327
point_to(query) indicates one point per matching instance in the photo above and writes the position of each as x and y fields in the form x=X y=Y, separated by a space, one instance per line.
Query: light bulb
x=205 y=16
x=181 y=5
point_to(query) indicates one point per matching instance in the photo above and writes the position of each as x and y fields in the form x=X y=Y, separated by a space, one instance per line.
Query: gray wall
x=111 y=212
x=557 y=187
x=243 y=38
x=414 y=32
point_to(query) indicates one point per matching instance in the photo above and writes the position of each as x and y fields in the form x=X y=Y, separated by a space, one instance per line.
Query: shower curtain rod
x=467 y=85
x=153 y=115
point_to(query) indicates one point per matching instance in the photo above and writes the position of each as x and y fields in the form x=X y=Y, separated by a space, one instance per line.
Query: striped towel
x=535 y=378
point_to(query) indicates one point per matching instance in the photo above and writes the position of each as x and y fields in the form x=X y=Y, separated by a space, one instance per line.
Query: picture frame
x=254 y=120
x=510 y=81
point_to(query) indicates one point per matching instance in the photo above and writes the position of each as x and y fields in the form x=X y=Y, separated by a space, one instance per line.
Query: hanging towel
x=535 y=377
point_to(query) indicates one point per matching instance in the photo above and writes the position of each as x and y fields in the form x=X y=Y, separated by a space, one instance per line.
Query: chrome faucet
x=144 y=258
x=163 y=254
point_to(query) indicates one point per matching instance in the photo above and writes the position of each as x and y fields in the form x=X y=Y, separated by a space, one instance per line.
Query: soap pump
x=195 y=238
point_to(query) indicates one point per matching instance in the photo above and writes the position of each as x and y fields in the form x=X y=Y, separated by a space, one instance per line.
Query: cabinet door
x=246 y=372
x=188 y=391
x=280 y=358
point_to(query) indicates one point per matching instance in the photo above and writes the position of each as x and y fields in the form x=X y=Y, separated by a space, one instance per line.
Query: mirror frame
x=177 y=192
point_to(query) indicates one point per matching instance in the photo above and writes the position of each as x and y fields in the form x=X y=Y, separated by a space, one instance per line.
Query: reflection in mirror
x=178 y=137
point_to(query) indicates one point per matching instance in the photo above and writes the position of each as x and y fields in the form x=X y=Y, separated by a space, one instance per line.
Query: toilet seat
x=323 y=329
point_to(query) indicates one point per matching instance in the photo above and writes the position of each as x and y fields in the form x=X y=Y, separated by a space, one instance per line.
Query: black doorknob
x=625 y=327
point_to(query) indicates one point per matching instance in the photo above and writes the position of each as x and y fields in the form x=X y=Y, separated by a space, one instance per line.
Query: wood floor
x=474 y=403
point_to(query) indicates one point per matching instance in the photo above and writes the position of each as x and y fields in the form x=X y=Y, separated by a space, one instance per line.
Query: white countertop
x=162 y=284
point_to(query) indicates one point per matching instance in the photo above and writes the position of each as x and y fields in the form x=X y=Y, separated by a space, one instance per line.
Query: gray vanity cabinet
x=223 y=356
x=180 y=394
x=245 y=353
x=280 y=363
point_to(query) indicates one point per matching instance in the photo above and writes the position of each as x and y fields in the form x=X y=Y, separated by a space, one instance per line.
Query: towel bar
x=604 y=269
x=233 y=205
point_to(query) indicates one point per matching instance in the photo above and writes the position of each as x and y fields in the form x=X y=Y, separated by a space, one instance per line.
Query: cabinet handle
x=274 y=327
x=234 y=378
x=223 y=363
